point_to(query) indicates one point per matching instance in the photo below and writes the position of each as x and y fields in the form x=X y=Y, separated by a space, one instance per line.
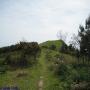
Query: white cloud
x=40 y=20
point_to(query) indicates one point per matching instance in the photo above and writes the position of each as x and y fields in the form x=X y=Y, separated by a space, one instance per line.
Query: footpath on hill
x=46 y=81
x=38 y=77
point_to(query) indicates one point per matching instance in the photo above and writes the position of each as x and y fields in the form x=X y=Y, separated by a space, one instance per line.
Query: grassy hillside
x=29 y=78
x=50 y=70
x=48 y=44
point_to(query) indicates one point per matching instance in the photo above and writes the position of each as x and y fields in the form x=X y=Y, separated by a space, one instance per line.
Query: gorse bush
x=29 y=47
x=21 y=54
x=62 y=71
x=2 y=69
x=17 y=60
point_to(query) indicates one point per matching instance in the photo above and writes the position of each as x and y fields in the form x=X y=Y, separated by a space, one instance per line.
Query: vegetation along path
x=47 y=80
x=37 y=77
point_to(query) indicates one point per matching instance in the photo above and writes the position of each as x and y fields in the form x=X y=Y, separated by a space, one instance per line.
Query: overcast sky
x=40 y=20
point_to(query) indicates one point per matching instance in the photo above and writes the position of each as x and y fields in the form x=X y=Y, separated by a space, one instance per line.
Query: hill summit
x=49 y=43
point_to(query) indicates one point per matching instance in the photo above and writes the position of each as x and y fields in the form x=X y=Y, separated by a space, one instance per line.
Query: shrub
x=16 y=61
x=2 y=69
x=52 y=47
x=62 y=71
x=63 y=48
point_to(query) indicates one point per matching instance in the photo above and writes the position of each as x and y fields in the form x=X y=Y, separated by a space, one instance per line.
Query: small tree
x=84 y=34
x=63 y=48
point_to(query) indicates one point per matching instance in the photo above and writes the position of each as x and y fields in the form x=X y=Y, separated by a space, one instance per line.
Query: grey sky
x=40 y=20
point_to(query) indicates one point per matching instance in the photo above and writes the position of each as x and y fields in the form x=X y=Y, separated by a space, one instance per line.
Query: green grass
x=31 y=80
x=57 y=43
x=28 y=82
x=49 y=79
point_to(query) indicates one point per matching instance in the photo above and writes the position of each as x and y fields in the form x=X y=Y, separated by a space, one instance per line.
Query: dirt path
x=40 y=83
x=46 y=79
